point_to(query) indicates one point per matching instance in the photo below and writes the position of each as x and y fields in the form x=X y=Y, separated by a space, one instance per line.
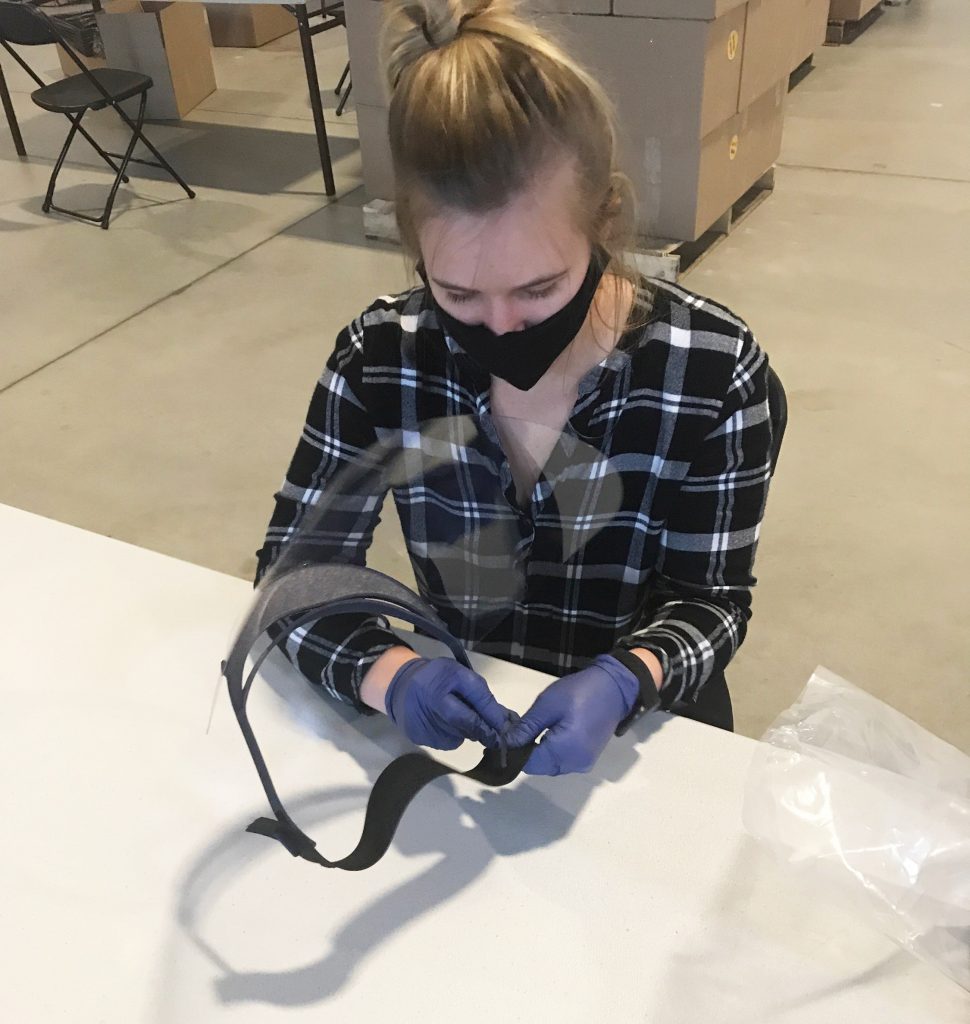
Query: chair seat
x=77 y=93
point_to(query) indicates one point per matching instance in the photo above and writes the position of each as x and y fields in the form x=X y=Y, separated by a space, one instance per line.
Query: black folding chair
x=23 y=24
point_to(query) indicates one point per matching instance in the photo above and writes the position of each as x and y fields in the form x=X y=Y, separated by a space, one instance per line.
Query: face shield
x=470 y=521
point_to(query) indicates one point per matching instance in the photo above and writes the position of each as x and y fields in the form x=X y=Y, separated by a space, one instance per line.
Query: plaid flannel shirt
x=662 y=560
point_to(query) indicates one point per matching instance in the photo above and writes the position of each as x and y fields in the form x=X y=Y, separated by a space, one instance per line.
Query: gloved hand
x=438 y=703
x=581 y=712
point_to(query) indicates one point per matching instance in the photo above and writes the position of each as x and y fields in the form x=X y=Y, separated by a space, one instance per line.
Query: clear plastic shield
x=489 y=512
x=467 y=514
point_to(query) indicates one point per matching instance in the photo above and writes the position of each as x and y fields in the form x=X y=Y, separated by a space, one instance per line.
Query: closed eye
x=541 y=289
x=532 y=293
x=542 y=293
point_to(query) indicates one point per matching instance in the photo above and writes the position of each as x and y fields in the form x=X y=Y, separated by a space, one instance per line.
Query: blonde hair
x=481 y=101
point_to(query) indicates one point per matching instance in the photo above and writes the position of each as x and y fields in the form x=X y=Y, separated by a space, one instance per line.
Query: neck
x=604 y=326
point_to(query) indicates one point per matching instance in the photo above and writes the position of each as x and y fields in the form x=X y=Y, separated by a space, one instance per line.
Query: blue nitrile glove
x=581 y=712
x=438 y=703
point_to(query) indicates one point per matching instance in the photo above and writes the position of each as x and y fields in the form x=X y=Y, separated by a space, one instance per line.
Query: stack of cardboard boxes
x=699 y=87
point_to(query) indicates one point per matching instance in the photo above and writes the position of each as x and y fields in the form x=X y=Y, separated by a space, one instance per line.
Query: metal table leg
x=18 y=139
x=313 y=84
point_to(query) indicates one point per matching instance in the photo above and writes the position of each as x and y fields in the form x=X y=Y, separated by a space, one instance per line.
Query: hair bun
x=414 y=28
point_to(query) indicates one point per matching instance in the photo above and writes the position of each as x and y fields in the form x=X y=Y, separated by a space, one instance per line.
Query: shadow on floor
x=341 y=222
x=259 y=161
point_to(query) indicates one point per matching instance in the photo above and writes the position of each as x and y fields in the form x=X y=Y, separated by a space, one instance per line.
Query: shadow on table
x=466 y=832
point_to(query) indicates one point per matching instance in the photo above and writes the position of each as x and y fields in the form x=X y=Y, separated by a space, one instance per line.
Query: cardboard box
x=676 y=86
x=684 y=185
x=678 y=75
x=733 y=157
x=850 y=10
x=722 y=68
x=810 y=34
x=363 y=29
x=70 y=68
x=700 y=10
x=170 y=43
x=779 y=35
x=375 y=151
x=248 y=24
x=768 y=46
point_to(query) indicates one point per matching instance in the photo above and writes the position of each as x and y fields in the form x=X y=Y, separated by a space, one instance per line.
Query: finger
x=541 y=716
x=474 y=691
x=522 y=733
x=440 y=742
x=543 y=760
x=459 y=716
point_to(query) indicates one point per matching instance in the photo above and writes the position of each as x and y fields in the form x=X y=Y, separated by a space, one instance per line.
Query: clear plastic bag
x=873 y=809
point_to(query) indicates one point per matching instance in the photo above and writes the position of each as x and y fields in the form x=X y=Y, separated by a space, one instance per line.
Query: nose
x=503 y=317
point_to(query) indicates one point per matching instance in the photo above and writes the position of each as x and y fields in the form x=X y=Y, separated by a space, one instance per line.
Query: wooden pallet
x=668 y=259
x=840 y=32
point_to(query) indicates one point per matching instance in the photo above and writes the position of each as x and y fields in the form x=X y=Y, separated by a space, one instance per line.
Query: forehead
x=534 y=234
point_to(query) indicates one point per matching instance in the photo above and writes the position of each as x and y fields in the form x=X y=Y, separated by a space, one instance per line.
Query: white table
x=131 y=893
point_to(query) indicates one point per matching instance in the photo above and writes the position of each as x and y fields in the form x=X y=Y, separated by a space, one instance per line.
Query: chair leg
x=344 y=98
x=18 y=139
x=343 y=78
x=75 y=126
x=106 y=157
x=124 y=161
x=138 y=134
x=119 y=170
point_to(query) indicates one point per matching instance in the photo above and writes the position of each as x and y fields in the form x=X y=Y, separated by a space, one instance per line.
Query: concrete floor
x=153 y=378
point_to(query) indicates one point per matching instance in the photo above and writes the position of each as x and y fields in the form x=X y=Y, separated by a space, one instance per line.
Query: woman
x=509 y=199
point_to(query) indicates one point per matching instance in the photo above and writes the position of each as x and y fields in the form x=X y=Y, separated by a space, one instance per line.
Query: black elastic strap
x=319 y=591
x=396 y=787
x=649 y=696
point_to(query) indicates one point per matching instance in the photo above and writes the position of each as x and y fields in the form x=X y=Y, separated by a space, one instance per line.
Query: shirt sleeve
x=698 y=613
x=337 y=651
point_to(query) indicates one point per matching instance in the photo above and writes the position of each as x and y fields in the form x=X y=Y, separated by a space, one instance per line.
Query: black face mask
x=522 y=357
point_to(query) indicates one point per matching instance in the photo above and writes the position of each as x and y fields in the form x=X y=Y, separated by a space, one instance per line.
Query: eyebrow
x=537 y=283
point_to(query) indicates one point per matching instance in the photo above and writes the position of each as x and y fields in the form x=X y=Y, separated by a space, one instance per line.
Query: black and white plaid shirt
x=641 y=531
